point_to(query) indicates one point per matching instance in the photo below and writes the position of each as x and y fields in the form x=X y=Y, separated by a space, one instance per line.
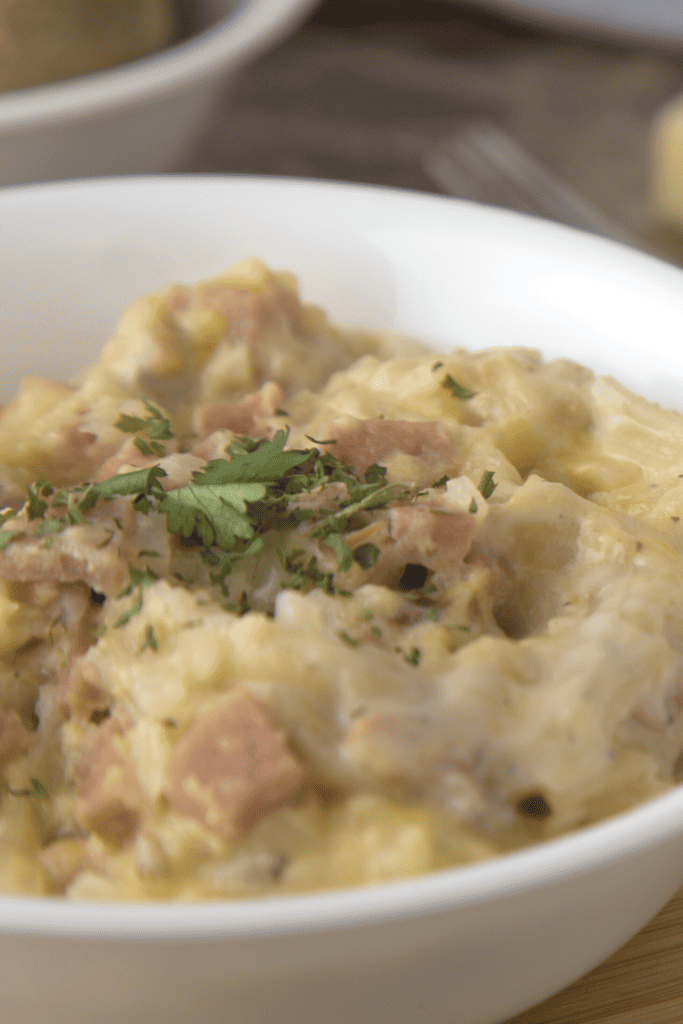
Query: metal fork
x=480 y=161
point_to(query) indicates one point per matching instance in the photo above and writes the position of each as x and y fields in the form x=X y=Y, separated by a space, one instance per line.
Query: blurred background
x=575 y=97
x=366 y=88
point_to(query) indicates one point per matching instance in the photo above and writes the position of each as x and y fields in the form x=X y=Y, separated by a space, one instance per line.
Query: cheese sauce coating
x=290 y=608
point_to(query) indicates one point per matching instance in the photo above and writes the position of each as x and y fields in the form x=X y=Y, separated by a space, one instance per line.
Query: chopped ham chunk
x=15 y=739
x=81 y=691
x=424 y=532
x=251 y=415
x=250 y=315
x=110 y=800
x=73 y=556
x=231 y=767
x=370 y=441
x=415 y=535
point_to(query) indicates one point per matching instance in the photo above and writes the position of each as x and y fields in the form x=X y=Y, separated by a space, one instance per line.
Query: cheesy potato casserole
x=285 y=608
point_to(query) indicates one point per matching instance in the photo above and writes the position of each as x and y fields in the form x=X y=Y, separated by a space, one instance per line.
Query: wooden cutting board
x=641 y=984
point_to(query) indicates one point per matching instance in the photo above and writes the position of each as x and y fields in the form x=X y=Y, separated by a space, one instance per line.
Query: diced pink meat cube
x=110 y=800
x=232 y=767
x=416 y=535
x=420 y=532
x=251 y=314
x=70 y=558
x=249 y=416
x=15 y=739
x=370 y=441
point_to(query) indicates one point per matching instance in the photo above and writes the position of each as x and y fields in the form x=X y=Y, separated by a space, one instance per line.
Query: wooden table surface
x=359 y=94
x=641 y=984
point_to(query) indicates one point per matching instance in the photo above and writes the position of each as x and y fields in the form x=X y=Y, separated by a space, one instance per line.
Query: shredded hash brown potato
x=286 y=608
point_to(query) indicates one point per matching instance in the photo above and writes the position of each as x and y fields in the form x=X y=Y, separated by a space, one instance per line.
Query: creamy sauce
x=488 y=652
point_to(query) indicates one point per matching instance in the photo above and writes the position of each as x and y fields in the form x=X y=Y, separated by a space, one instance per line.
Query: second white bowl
x=140 y=116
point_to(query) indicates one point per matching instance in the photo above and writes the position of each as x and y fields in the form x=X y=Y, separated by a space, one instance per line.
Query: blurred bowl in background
x=143 y=115
x=660 y=24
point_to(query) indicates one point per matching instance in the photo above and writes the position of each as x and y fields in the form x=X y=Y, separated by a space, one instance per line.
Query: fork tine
x=482 y=162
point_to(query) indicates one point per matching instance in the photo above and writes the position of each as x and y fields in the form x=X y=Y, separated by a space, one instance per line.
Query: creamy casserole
x=286 y=607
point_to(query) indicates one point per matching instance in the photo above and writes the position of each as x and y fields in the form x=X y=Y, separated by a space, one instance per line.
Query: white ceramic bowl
x=472 y=946
x=144 y=115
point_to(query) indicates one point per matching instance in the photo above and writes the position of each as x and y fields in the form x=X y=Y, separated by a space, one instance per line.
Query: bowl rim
x=626 y=835
x=250 y=25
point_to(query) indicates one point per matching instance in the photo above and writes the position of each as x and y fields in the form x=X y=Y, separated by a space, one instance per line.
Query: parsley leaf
x=139 y=481
x=216 y=513
x=228 y=507
x=130 y=424
x=342 y=550
x=156 y=427
x=8 y=535
x=366 y=555
x=138 y=580
x=36 y=506
x=457 y=390
x=267 y=462
x=375 y=474
x=150 y=640
x=38 y=789
x=486 y=485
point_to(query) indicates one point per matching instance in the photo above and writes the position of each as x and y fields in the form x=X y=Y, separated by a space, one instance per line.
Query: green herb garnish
x=228 y=507
x=156 y=428
x=366 y=555
x=486 y=485
x=341 y=549
x=8 y=535
x=457 y=390
x=150 y=640
x=37 y=790
x=138 y=580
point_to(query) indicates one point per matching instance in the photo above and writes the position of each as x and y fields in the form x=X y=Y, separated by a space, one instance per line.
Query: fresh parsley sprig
x=228 y=507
